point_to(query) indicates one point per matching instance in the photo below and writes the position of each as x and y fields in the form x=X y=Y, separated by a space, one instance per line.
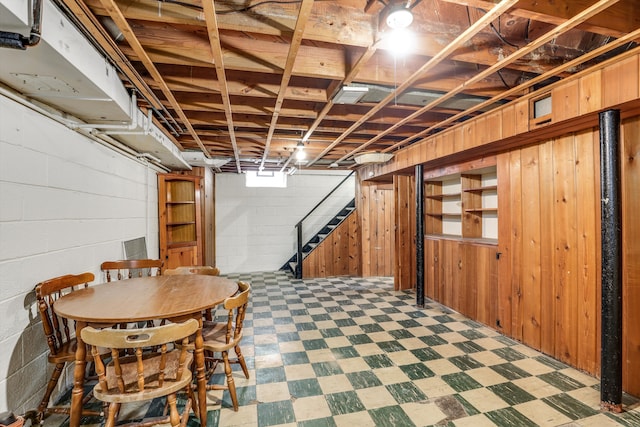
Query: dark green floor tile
x=332 y=332
x=264 y=330
x=432 y=340
x=561 y=381
x=213 y=419
x=509 y=417
x=327 y=298
x=472 y=334
x=460 y=381
x=409 y=323
x=299 y=312
x=390 y=310
x=424 y=354
x=267 y=349
x=363 y=379
x=551 y=362
x=356 y=313
x=320 y=317
x=274 y=413
x=296 y=358
x=391 y=346
x=511 y=393
x=334 y=309
x=270 y=375
x=345 y=402
x=628 y=419
x=313 y=305
x=341 y=323
x=372 y=327
x=381 y=318
x=506 y=340
x=417 y=371
x=246 y=396
x=439 y=329
x=344 y=352
x=325 y=369
x=406 y=392
x=318 y=422
x=469 y=347
x=288 y=337
x=282 y=320
x=390 y=416
x=569 y=406
x=359 y=339
x=465 y=362
x=304 y=388
x=510 y=371
x=262 y=315
x=316 y=344
x=400 y=334
x=366 y=306
x=443 y=319
x=308 y=326
x=377 y=361
x=468 y=408
x=509 y=354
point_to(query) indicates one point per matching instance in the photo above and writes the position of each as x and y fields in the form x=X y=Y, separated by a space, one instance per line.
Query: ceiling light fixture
x=399 y=17
x=300 y=154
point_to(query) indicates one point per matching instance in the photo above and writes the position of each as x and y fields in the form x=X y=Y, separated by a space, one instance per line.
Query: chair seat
x=214 y=335
x=151 y=363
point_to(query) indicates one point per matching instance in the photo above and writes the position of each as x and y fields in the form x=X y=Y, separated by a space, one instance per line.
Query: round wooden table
x=141 y=299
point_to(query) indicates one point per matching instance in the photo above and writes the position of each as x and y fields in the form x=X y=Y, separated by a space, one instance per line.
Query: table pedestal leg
x=78 y=379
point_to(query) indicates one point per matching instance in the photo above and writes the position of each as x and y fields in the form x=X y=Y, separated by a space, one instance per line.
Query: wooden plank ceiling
x=249 y=80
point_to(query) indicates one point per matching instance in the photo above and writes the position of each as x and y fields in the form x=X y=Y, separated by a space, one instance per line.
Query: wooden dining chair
x=58 y=331
x=220 y=337
x=143 y=375
x=198 y=269
x=127 y=269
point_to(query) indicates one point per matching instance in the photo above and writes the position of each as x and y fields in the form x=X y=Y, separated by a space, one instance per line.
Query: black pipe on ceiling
x=18 y=41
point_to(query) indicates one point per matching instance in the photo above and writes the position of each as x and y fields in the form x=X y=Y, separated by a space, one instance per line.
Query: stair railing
x=298 y=272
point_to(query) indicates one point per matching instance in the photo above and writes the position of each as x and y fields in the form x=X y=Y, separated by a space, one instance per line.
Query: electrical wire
x=225 y=12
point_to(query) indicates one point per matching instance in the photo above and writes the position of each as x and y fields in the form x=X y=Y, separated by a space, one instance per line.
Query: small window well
x=541 y=110
x=274 y=179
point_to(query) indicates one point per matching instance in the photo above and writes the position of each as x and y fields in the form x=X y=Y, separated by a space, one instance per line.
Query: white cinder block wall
x=66 y=205
x=255 y=227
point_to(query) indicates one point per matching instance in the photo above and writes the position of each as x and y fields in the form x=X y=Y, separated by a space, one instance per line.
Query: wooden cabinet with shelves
x=179 y=220
x=462 y=205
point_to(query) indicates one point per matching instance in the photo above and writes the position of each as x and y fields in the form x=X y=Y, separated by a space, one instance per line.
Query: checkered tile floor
x=352 y=352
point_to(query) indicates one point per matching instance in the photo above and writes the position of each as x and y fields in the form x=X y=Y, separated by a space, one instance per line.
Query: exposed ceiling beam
x=214 y=40
x=296 y=40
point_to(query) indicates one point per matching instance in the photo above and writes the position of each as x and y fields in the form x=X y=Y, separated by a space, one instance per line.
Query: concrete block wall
x=255 y=227
x=66 y=204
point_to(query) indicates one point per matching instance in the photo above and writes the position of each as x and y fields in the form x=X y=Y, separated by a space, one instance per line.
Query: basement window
x=271 y=179
x=541 y=110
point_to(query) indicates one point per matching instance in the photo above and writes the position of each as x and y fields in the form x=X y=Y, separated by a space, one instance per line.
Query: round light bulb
x=399 y=18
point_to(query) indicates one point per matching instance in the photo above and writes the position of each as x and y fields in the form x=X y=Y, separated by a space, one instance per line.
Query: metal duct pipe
x=419 y=236
x=18 y=41
x=611 y=351
x=133 y=113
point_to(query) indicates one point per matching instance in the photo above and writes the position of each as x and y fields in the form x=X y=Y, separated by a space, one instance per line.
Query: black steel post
x=299 y=251
x=611 y=351
x=419 y=236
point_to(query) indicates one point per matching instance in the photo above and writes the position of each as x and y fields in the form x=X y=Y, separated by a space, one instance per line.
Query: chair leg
x=114 y=408
x=193 y=401
x=230 y=382
x=174 y=416
x=242 y=362
x=51 y=385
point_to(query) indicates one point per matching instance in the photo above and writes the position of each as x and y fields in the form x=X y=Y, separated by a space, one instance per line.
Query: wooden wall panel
x=620 y=81
x=590 y=92
x=375 y=202
x=503 y=168
x=631 y=255
x=515 y=236
x=531 y=284
x=405 y=248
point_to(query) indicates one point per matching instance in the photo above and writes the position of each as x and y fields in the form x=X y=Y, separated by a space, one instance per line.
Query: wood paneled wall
x=376 y=204
x=404 y=190
x=339 y=254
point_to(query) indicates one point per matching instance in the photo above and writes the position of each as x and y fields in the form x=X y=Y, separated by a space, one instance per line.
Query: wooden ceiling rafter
x=541 y=78
x=495 y=12
x=121 y=22
x=218 y=58
x=565 y=26
x=296 y=41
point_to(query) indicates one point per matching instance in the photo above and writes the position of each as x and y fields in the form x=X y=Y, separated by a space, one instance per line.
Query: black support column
x=611 y=351
x=419 y=236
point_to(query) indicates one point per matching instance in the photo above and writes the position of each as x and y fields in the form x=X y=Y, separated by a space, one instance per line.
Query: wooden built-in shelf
x=443 y=196
x=482 y=210
x=481 y=189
